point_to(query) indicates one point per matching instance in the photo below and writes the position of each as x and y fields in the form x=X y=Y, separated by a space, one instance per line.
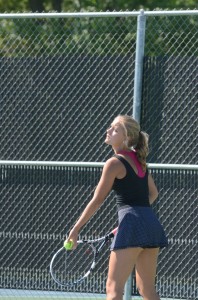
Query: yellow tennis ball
x=68 y=245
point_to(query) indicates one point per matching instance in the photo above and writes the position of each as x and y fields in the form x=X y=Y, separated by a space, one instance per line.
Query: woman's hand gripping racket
x=69 y=267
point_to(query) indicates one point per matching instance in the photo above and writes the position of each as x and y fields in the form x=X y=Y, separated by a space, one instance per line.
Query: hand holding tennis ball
x=68 y=245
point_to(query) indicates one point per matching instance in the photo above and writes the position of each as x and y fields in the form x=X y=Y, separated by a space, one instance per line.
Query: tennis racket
x=70 y=267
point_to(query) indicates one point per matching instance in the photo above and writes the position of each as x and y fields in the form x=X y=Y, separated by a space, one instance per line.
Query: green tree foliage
x=13 y=5
x=31 y=37
x=93 y=5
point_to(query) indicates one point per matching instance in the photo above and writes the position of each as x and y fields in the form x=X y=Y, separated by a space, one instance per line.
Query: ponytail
x=142 y=149
x=136 y=139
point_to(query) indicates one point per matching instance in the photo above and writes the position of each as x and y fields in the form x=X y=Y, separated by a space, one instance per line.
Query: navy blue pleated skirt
x=138 y=227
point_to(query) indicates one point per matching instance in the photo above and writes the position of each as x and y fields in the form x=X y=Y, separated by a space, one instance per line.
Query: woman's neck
x=119 y=150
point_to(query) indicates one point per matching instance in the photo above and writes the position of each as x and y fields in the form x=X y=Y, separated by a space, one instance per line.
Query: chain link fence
x=63 y=80
x=170 y=88
x=39 y=205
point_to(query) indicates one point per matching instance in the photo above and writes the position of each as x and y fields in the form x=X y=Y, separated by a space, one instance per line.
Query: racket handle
x=114 y=231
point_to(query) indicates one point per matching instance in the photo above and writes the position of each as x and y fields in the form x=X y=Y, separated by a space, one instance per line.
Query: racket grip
x=114 y=231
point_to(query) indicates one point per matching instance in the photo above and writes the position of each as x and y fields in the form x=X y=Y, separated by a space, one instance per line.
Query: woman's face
x=115 y=134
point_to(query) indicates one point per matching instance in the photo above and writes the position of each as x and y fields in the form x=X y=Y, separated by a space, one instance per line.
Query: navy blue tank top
x=131 y=190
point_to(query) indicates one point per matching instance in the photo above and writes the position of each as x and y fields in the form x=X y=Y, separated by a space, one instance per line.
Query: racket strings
x=70 y=267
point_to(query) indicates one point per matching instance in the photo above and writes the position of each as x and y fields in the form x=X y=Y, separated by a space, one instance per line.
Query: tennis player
x=140 y=234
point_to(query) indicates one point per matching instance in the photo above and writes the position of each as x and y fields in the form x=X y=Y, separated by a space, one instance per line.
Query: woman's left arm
x=153 y=192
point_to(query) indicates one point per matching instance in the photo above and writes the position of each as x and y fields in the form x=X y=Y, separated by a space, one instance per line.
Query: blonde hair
x=136 y=138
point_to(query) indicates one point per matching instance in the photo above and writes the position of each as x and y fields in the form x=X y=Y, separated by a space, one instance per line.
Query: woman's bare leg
x=146 y=266
x=121 y=264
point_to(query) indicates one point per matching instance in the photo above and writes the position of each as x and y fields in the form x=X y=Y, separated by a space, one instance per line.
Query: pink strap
x=133 y=156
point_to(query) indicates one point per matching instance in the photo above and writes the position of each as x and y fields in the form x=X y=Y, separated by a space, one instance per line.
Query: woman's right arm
x=110 y=171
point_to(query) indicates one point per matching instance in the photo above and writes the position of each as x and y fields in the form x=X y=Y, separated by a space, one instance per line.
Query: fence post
x=139 y=60
x=128 y=288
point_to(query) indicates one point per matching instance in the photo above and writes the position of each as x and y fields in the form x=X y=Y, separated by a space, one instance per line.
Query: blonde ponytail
x=142 y=149
x=136 y=139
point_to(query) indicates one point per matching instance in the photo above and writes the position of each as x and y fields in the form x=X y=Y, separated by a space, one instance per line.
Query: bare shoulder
x=113 y=162
x=113 y=165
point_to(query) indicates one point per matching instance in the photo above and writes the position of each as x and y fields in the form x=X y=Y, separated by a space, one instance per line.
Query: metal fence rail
x=41 y=200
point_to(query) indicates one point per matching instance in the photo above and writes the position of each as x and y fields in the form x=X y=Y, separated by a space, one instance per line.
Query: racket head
x=70 y=267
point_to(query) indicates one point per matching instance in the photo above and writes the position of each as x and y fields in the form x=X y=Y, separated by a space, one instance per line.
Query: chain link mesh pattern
x=40 y=204
x=62 y=83
x=63 y=80
x=170 y=88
